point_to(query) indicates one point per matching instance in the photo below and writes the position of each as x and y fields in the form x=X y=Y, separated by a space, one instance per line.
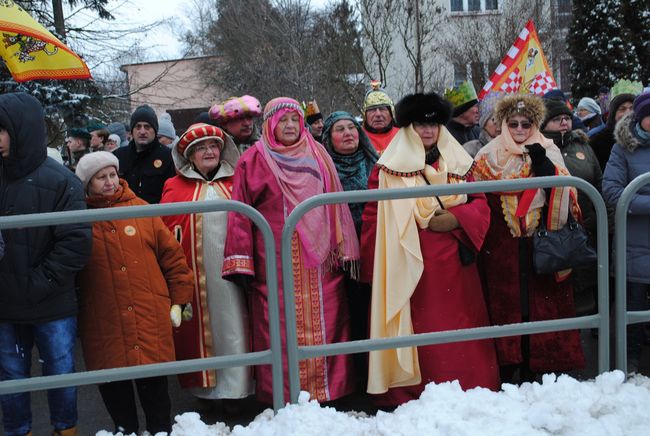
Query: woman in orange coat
x=130 y=294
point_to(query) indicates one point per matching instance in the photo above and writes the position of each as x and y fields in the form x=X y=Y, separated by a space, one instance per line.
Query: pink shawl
x=303 y=170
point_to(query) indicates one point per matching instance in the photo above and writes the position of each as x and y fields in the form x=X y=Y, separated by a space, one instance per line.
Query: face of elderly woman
x=205 y=155
x=520 y=128
x=428 y=133
x=287 y=131
x=104 y=182
x=345 y=137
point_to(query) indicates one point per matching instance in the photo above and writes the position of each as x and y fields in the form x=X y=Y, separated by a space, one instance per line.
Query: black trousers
x=119 y=399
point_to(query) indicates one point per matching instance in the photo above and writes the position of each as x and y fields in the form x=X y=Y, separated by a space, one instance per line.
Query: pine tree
x=602 y=46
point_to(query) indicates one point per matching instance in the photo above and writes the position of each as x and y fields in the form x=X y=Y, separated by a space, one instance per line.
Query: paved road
x=93 y=416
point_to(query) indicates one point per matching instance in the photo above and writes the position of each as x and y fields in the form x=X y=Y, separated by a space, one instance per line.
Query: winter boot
x=72 y=431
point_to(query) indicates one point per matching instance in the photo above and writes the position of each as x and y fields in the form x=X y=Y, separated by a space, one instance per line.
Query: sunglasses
x=522 y=124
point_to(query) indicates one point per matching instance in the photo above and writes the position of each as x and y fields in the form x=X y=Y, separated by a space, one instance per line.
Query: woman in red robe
x=420 y=256
x=287 y=166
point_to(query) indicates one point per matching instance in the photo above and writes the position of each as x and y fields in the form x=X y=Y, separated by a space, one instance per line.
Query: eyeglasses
x=560 y=118
x=523 y=124
x=203 y=148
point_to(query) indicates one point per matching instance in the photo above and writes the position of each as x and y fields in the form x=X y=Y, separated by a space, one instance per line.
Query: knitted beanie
x=145 y=114
x=553 y=109
x=642 y=106
x=590 y=105
x=166 y=126
x=487 y=105
x=92 y=163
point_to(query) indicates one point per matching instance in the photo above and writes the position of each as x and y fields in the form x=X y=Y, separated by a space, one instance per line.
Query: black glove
x=540 y=164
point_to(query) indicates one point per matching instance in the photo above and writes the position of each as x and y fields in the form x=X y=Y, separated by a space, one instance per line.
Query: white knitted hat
x=91 y=163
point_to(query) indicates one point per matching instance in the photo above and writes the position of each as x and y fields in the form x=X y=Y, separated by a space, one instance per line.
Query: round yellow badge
x=580 y=155
x=157 y=163
x=129 y=230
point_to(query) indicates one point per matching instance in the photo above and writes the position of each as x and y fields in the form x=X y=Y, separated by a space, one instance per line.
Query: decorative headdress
x=196 y=133
x=235 y=108
x=377 y=97
x=312 y=113
x=462 y=96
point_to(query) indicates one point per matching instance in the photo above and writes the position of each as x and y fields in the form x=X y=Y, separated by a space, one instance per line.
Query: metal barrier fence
x=296 y=353
x=272 y=356
x=622 y=316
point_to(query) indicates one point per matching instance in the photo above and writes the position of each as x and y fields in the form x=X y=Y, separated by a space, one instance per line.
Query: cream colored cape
x=398 y=262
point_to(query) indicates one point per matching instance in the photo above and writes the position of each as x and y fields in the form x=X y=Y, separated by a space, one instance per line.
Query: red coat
x=136 y=272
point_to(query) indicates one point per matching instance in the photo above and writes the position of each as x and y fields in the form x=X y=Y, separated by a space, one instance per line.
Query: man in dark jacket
x=38 y=303
x=465 y=116
x=145 y=163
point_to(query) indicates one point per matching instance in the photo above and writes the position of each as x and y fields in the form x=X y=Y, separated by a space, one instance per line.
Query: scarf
x=353 y=169
x=302 y=170
x=503 y=159
x=398 y=262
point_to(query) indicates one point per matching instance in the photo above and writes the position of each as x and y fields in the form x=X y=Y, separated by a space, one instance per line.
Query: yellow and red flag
x=31 y=52
x=524 y=68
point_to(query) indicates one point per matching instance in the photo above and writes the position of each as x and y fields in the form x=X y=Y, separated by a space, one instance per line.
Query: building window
x=473 y=5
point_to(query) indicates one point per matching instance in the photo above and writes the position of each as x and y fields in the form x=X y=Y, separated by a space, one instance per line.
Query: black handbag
x=558 y=250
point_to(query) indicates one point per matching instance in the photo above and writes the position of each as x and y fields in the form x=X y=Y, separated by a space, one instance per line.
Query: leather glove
x=443 y=221
x=181 y=312
x=536 y=152
x=176 y=315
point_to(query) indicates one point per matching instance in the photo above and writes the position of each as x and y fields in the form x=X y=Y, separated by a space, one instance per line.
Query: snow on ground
x=608 y=405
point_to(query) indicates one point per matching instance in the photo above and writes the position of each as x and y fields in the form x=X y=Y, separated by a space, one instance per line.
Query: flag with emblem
x=524 y=68
x=31 y=52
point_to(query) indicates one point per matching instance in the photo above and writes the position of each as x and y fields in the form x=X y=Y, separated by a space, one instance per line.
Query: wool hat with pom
x=91 y=163
x=422 y=108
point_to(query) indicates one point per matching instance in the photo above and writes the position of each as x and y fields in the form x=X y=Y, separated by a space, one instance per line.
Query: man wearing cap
x=465 y=116
x=379 y=117
x=145 y=163
x=236 y=116
x=315 y=120
x=166 y=130
x=589 y=113
x=77 y=144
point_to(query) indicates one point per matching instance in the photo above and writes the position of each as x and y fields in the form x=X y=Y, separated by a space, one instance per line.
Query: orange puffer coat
x=137 y=270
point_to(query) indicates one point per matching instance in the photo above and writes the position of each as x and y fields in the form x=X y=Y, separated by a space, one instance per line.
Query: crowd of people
x=149 y=290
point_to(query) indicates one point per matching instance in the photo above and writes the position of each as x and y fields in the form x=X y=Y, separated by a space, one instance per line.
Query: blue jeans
x=55 y=341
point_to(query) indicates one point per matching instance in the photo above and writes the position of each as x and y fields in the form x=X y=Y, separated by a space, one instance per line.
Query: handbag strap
x=571 y=221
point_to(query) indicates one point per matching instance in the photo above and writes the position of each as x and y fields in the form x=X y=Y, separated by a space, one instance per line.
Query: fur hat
x=196 y=133
x=528 y=105
x=145 y=114
x=91 y=163
x=166 y=126
x=553 y=109
x=423 y=108
x=642 y=106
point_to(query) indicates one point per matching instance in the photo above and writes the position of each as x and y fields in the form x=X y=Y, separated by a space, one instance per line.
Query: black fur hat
x=423 y=108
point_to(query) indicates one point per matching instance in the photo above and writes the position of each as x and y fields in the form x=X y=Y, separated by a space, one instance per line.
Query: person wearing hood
x=515 y=292
x=37 y=273
x=581 y=162
x=420 y=256
x=601 y=139
x=130 y=296
x=205 y=159
x=630 y=159
x=589 y=113
x=145 y=163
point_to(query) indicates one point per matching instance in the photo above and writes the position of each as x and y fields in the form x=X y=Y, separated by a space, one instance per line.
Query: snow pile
x=559 y=406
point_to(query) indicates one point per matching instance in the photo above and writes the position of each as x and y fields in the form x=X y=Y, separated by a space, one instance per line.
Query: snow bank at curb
x=608 y=405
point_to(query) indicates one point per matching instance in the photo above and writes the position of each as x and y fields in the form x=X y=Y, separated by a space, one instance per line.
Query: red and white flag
x=524 y=68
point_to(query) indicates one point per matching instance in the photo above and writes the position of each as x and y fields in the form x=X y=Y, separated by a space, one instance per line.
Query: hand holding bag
x=563 y=249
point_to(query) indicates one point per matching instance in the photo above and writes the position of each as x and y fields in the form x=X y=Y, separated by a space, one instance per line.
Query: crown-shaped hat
x=312 y=113
x=377 y=97
x=625 y=86
x=461 y=94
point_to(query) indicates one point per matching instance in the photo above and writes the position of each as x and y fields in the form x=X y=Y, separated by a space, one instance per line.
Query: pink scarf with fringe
x=303 y=170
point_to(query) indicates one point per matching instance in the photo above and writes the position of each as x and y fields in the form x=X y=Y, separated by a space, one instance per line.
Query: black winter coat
x=463 y=134
x=147 y=171
x=37 y=273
